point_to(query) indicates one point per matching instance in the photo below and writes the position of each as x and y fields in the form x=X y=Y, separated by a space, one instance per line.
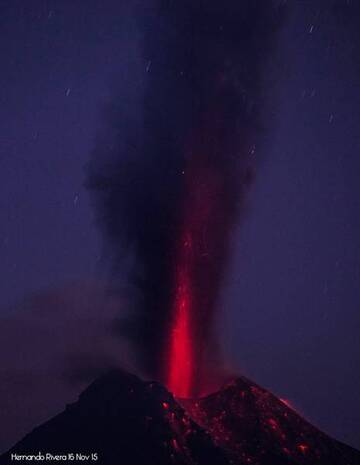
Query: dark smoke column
x=173 y=186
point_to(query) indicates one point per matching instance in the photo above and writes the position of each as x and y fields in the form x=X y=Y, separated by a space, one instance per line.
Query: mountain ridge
x=120 y=418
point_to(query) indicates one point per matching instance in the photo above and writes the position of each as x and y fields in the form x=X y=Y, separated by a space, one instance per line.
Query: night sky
x=290 y=317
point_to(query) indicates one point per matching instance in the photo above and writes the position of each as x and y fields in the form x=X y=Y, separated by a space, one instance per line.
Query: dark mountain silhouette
x=255 y=427
x=127 y=421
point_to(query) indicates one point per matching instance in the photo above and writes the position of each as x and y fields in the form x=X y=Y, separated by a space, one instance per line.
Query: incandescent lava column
x=181 y=354
x=214 y=180
x=195 y=283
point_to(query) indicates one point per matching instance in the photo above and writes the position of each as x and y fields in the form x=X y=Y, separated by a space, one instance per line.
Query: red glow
x=200 y=249
x=189 y=319
x=273 y=423
x=192 y=308
x=303 y=448
x=175 y=444
x=287 y=403
x=181 y=350
x=290 y=405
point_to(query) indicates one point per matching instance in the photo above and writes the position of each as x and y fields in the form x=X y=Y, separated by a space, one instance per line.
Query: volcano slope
x=255 y=427
x=127 y=421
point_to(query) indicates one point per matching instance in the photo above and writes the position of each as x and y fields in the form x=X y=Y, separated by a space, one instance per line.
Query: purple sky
x=291 y=304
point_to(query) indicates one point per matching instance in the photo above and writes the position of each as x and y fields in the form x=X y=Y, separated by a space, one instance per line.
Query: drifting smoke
x=172 y=188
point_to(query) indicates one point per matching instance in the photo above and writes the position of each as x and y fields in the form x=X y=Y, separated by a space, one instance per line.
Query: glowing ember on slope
x=287 y=403
x=303 y=448
x=290 y=405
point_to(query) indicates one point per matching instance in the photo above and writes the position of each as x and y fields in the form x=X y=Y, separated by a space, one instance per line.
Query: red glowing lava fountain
x=186 y=337
x=182 y=357
x=200 y=255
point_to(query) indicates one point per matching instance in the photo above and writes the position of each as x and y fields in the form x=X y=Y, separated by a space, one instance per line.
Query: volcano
x=120 y=418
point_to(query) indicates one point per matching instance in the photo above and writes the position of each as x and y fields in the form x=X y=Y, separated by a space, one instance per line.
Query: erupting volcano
x=206 y=217
x=171 y=190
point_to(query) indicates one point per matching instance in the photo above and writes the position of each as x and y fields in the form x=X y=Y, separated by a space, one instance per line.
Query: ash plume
x=172 y=186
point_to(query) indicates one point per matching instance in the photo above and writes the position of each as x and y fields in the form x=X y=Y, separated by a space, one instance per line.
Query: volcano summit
x=122 y=419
